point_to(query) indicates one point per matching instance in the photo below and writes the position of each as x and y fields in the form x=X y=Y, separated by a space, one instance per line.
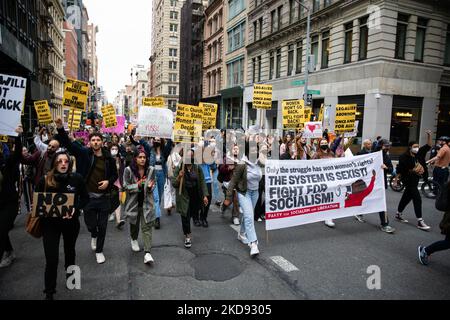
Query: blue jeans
x=248 y=202
x=215 y=185
x=159 y=191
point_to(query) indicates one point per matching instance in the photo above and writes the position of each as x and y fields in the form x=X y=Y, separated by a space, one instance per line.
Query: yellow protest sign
x=109 y=116
x=292 y=114
x=321 y=113
x=209 y=115
x=188 y=123
x=345 y=118
x=156 y=102
x=3 y=138
x=262 y=96
x=307 y=114
x=75 y=94
x=43 y=112
x=74 y=120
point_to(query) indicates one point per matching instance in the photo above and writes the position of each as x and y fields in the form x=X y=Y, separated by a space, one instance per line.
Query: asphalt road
x=317 y=262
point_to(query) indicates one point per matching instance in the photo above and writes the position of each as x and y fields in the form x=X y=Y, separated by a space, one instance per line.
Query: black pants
x=52 y=228
x=260 y=209
x=439 y=246
x=8 y=213
x=440 y=176
x=411 y=193
x=205 y=209
x=384 y=220
x=193 y=209
x=96 y=215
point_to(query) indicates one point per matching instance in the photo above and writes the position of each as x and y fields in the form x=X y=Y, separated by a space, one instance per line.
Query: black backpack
x=442 y=199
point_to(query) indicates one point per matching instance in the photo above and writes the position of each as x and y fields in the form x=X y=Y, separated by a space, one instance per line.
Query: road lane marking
x=284 y=264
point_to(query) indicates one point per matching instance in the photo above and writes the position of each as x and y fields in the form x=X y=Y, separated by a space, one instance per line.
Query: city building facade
x=70 y=51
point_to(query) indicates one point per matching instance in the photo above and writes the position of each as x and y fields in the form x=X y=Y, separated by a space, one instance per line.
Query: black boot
x=157 y=224
x=205 y=223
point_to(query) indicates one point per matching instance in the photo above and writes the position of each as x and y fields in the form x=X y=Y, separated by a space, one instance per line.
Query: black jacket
x=406 y=164
x=73 y=184
x=10 y=171
x=86 y=159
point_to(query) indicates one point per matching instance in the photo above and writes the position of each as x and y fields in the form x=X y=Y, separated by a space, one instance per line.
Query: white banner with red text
x=308 y=191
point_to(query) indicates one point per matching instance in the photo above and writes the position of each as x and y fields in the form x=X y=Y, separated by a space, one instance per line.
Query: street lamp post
x=308 y=28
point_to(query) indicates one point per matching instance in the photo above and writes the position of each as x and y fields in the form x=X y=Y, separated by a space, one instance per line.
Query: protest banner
x=209 y=115
x=75 y=94
x=52 y=205
x=262 y=96
x=155 y=102
x=313 y=130
x=74 y=119
x=109 y=116
x=3 y=138
x=345 y=118
x=118 y=129
x=302 y=192
x=12 y=102
x=43 y=112
x=82 y=135
x=188 y=123
x=293 y=113
x=155 y=122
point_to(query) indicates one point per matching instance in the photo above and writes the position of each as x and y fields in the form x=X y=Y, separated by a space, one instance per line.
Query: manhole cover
x=216 y=267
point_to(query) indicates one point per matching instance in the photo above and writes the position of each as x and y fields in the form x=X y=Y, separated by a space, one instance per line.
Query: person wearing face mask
x=410 y=171
x=61 y=179
x=194 y=193
x=441 y=162
x=138 y=183
x=116 y=188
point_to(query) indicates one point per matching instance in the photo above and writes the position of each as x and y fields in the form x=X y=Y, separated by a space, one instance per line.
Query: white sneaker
x=100 y=258
x=330 y=223
x=236 y=221
x=148 y=258
x=254 y=249
x=112 y=217
x=135 y=246
x=240 y=210
x=94 y=244
x=242 y=238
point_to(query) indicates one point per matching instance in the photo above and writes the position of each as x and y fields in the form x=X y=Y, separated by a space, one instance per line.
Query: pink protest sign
x=82 y=134
x=120 y=128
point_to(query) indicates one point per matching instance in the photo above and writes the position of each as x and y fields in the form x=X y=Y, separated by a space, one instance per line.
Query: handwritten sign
x=156 y=102
x=75 y=94
x=262 y=96
x=188 y=123
x=292 y=114
x=43 y=112
x=155 y=122
x=209 y=115
x=52 y=205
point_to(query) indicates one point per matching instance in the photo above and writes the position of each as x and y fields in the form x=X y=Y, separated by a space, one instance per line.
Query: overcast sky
x=123 y=40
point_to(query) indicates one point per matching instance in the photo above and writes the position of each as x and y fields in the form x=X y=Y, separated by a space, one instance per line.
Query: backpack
x=442 y=199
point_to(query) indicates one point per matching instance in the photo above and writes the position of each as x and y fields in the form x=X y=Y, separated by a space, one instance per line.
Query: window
x=214 y=83
x=172 y=65
x=172 y=77
x=143 y=93
x=316 y=5
x=235 y=7
x=290 y=59
x=172 y=104
x=173 y=3
x=271 y=65
x=280 y=8
x=236 y=37
x=326 y=3
x=172 y=52
x=215 y=51
x=315 y=48
x=278 y=72
x=420 y=39
x=173 y=15
x=143 y=86
x=260 y=27
x=348 y=29
x=298 y=61
x=173 y=40
x=273 y=19
x=254 y=70
x=300 y=9
x=172 y=90
x=291 y=11
x=400 y=42
x=235 y=73
x=173 y=27
x=255 y=30
x=363 y=38
x=259 y=68
x=325 y=49
x=447 y=47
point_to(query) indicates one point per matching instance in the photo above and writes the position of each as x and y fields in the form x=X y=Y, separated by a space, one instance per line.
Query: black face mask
x=303 y=143
x=324 y=147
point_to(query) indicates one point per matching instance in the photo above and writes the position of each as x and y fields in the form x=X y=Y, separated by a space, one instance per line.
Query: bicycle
x=430 y=189
x=396 y=184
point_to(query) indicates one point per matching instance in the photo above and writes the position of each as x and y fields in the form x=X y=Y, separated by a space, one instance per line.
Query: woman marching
x=61 y=179
x=139 y=183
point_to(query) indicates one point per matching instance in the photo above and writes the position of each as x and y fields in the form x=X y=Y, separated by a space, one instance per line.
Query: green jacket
x=238 y=181
x=182 y=201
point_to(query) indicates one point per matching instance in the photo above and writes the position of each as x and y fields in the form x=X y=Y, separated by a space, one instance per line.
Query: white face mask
x=44 y=137
x=114 y=153
x=415 y=150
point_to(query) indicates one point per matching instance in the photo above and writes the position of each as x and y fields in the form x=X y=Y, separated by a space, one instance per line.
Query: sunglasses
x=62 y=161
